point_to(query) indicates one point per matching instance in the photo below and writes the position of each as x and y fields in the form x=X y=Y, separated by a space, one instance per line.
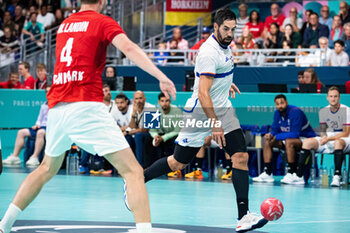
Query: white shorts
x=87 y=124
x=194 y=137
x=329 y=147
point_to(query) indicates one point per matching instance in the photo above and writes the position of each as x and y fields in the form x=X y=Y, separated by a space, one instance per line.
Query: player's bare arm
x=344 y=134
x=205 y=83
x=140 y=58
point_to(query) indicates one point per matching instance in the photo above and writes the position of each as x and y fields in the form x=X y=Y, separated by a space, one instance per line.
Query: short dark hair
x=340 y=42
x=43 y=5
x=222 y=15
x=26 y=65
x=314 y=13
x=161 y=95
x=122 y=96
x=281 y=96
x=33 y=13
x=301 y=72
x=106 y=85
x=276 y=25
x=89 y=1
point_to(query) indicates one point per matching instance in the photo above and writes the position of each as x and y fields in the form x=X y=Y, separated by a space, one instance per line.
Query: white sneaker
x=287 y=179
x=249 y=222
x=297 y=179
x=11 y=160
x=336 y=181
x=33 y=162
x=264 y=177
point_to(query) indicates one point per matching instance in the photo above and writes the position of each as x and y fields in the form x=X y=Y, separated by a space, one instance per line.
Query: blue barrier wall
x=20 y=108
x=246 y=77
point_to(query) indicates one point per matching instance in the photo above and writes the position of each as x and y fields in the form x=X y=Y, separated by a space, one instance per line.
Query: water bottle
x=325 y=178
x=72 y=163
x=313 y=174
x=220 y=170
x=345 y=178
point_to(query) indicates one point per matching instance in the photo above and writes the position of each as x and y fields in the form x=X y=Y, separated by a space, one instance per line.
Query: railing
x=249 y=57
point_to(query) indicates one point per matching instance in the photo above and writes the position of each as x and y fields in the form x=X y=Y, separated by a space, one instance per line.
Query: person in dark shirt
x=315 y=31
x=173 y=46
x=8 y=42
x=19 y=20
x=344 y=12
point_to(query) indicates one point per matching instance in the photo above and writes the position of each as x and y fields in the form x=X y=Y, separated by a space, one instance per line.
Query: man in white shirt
x=136 y=124
x=293 y=20
x=338 y=57
x=242 y=20
x=45 y=18
x=322 y=57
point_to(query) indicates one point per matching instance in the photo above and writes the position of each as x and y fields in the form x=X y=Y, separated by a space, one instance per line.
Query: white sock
x=10 y=218
x=145 y=227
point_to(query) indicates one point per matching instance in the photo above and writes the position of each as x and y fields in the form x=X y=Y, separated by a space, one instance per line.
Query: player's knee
x=308 y=144
x=291 y=143
x=21 y=132
x=339 y=144
x=240 y=158
x=41 y=133
x=47 y=170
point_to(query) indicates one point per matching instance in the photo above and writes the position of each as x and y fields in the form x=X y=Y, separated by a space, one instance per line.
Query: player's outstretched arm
x=139 y=57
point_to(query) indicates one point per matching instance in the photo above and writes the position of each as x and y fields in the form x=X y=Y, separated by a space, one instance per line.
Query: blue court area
x=94 y=204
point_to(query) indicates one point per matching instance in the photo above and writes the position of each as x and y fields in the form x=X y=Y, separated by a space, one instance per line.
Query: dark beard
x=222 y=41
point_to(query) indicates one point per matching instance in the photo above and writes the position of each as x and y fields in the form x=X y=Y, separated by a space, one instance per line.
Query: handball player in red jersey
x=77 y=113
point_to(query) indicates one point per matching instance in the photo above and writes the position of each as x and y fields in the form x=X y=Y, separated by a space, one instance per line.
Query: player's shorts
x=329 y=146
x=33 y=132
x=194 y=137
x=301 y=139
x=87 y=124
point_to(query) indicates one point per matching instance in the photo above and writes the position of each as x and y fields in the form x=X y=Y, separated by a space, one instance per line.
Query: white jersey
x=122 y=119
x=335 y=120
x=216 y=61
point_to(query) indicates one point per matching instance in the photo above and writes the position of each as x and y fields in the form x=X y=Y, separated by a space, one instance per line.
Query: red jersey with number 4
x=81 y=47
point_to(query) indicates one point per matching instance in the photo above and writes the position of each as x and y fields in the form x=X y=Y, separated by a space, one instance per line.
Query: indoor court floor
x=90 y=204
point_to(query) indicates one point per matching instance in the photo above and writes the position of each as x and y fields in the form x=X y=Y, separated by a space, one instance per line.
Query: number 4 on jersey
x=66 y=52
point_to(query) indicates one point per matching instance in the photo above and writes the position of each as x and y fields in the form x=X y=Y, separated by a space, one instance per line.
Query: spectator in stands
x=305 y=58
x=34 y=30
x=338 y=57
x=275 y=17
x=12 y=83
x=205 y=36
x=32 y=9
x=161 y=57
x=241 y=20
x=325 y=19
x=289 y=125
x=7 y=22
x=174 y=46
x=322 y=57
x=300 y=78
x=240 y=57
x=292 y=36
x=136 y=124
x=293 y=20
x=123 y=117
x=38 y=132
x=19 y=20
x=112 y=80
x=346 y=38
x=11 y=8
x=344 y=12
x=23 y=70
x=310 y=77
x=246 y=39
x=162 y=140
x=306 y=24
x=315 y=31
x=41 y=81
x=335 y=130
x=181 y=42
x=255 y=25
x=45 y=18
x=274 y=37
x=336 y=31
x=286 y=61
x=69 y=6
x=59 y=17
x=8 y=42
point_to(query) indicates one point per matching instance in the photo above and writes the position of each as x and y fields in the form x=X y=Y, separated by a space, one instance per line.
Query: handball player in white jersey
x=335 y=132
x=210 y=100
x=77 y=113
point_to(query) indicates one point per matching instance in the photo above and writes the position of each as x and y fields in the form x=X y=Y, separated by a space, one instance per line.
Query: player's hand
x=233 y=90
x=268 y=136
x=219 y=136
x=35 y=127
x=167 y=87
x=323 y=140
x=158 y=140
